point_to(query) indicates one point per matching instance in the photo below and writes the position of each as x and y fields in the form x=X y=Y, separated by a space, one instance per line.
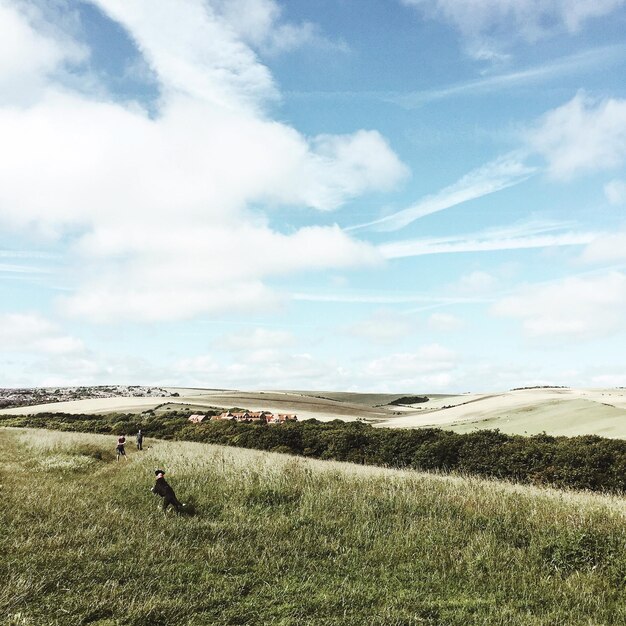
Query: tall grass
x=288 y=541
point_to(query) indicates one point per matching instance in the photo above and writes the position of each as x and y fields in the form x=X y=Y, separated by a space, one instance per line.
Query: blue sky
x=385 y=195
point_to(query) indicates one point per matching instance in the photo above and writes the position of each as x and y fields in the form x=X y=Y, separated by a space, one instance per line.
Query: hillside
x=557 y=411
x=274 y=539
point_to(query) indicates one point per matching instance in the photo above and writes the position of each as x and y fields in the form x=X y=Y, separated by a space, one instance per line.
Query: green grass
x=288 y=541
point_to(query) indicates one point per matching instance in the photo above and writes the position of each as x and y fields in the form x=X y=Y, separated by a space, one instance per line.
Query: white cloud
x=477 y=283
x=384 y=327
x=166 y=211
x=180 y=272
x=609 y=380
x=606 y=248
x=499 y=174
x=571 y=64
x=489 y=25
x=255 y=339
x=260 y=24
x=431 y=367
x=428 y=359
x=615 y=192
x=582 y=135
x=30 y=332
x=445 y=322
x=275 y=370
x=95 y=369
x=517 y=237
x=26 y=270
x=574 y=308
x=377 y=298
x=28 y=57
x=195 y=54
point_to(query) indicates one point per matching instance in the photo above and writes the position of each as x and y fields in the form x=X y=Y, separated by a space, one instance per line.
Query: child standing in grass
x=163 y=489
x=121 y=450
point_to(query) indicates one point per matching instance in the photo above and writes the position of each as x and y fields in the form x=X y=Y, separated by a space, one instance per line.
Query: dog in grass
x=163 y=488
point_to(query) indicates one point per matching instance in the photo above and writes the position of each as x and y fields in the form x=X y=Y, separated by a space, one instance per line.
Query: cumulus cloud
x=30 y=332
x=489 y=26
x=582 y=135
x=156 y=274
x=260 y=24
x=30 y=57
x=167 y=211
x=574 y=308
x=192 y=52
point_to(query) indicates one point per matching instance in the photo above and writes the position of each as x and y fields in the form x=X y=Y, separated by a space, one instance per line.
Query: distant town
x=28 y=396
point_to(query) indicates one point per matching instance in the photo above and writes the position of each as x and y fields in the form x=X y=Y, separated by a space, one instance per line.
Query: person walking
x=121 y=449
x=139 y=440
x=162 y=488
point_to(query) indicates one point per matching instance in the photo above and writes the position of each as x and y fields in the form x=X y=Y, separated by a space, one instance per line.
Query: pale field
x=554 y=411
x=529 y=411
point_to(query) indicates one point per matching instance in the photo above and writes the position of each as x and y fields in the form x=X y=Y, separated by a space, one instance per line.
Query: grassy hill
x=288 y=541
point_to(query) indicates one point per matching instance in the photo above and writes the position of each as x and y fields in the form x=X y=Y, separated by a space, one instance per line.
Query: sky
x=398 y=196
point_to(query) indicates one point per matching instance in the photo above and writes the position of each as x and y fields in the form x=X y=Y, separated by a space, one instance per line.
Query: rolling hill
x=557 y=411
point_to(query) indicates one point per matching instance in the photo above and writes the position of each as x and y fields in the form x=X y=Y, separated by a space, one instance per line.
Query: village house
x=196 y=418
x=281 y=418
x=256 y=416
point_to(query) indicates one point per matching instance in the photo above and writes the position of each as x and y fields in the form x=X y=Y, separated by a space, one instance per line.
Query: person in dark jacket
x=139 y=440
x=120 y=449
x=162 y=488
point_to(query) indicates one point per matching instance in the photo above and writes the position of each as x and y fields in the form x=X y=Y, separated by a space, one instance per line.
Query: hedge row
x=586 y=462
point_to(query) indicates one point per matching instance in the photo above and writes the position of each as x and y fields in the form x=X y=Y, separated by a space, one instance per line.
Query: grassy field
x=286 y=541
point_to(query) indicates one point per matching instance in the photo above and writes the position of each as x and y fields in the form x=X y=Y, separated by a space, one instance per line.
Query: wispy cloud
x=11 y=268
x=571 y=64
x=503 y=172
x=27 y=254
x=563 y=66
x=490 y=27
x=378 y=298
x=532 y=235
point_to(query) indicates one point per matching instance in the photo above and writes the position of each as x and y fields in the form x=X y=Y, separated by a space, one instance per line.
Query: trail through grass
x=286 y=541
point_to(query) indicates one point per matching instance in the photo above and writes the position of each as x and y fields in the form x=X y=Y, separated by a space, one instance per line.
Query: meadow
x=276 y=539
